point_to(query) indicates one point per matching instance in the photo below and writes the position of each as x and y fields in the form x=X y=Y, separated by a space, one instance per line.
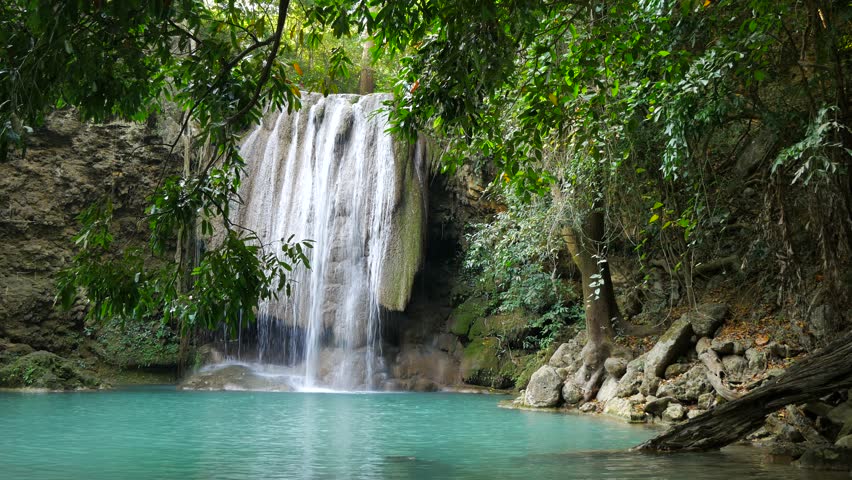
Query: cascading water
x=329 y=172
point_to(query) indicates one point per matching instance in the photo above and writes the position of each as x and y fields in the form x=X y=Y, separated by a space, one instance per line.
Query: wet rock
x=707 y=318
x=588 y=407
x=735 y=367
x=544 y=388
x=674 y=413
x=827 y=458
x=657 y=406
x=671 y=345
x=571 y=394
x=616 y=367
x=676 y=369
x=782 y=431
x=234 y=377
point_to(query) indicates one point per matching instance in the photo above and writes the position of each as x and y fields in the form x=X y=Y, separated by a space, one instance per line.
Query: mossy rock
x=483 y=364
x=46 y=370
x=138 y=345
x=512 y=327
x=466 y=314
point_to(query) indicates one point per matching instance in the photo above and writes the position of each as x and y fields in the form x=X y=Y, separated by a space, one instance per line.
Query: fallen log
x=715 y=374
x=823 y=372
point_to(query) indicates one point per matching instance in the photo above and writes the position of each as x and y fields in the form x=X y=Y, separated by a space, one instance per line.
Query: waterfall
x=330 y=173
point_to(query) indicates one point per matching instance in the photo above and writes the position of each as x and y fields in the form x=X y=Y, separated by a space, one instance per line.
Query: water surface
x=162 y=433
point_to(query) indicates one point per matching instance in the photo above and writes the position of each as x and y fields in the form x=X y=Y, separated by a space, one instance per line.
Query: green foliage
x=138 y=344
x=514 y=261
x=813 y=155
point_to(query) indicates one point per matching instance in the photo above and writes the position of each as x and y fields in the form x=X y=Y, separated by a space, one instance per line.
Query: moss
x=405 y=252
x=46 y=370
x=135 y=344
x=483 y=364
x=466 y=314
x=512 y=327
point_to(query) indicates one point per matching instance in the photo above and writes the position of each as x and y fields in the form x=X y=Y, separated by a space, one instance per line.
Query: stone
x=624 y=408
x=756 y=360
x=823 y=322
x=827 y=458
x=735 y=367
x=694 y=413
x=463 y=316
x=705 y=401
x=233 y=377
x=568 y=354
x=674 y=413
x=608 y=389
x=657 y=406
x=671 y=345
x=781 y=351
x=571 y=393
x=630 y=383
x=650 y=384
x=722 y=347
x=688 y=387
x=761 y=339
x=703 y=345
x=45 y=370
x=588 y=407
x=842 y=415
x=706 y=318
x=544 y=388
x=676 y=369
x=740 y=349
x=616 y=367
x=844 y=442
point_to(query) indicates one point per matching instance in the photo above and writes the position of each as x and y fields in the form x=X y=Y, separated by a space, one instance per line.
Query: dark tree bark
x=825 y=371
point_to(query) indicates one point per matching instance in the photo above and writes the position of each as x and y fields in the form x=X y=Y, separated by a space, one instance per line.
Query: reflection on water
x=161 y=433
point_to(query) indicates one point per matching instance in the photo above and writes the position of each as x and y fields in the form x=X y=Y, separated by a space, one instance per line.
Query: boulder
x=608 y=389
x=568 y=354
x=616 y=367
x=722 y=347
x=544 y=388
x=657 y=406
x=688 y=387
x=827 y=458
x=706 y=318
x=630 y=383
x=650 y=385
x=844 y=442
x=671 y=345
x=756 y=360
x=781 y=351
x=624 y=408
x=703 y=345
x=234 y=377
x=842 y=415
x=571 y=393
x=694 y=413
x=735 y=367
x=676 y=369
x=588 y=407
x=674 y=413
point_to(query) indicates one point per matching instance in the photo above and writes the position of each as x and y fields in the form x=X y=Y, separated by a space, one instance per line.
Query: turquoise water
x=162 y=433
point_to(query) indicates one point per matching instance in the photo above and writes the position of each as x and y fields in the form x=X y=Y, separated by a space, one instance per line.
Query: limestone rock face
x=671 y=344
x=544 y=388
x=233 y=377
x=707 y=318
x=45 y=370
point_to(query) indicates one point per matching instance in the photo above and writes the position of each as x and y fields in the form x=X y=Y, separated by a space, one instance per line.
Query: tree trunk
x=367 y=83
x=589 y=254
x=824 y=372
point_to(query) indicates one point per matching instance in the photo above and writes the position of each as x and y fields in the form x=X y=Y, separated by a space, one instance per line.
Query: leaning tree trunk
x=588 y=251
x=824 y=372
x=367 y=80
